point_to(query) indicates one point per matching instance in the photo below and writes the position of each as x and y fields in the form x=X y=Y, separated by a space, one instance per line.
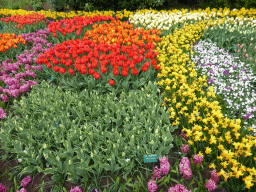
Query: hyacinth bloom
x=3 y=188
x=2 y=113
x=152 y=186
x=75 y=189
x=184 y=148
x=26 y=181
x=22 y=190
x=157 y=173
x=197 y=159
x=10 y=40
x=211 y=185
x=164 y=165
x=215 y=177
x=184 y=168
x=178 y=188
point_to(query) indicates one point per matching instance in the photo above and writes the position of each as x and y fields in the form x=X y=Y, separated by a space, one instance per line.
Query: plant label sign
x=150 y=158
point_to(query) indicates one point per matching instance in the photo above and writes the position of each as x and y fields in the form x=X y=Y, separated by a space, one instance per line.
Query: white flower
x=19 y=159
x=127 y=160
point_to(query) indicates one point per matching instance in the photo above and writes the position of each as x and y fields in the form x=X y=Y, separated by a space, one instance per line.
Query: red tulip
x=111 y=82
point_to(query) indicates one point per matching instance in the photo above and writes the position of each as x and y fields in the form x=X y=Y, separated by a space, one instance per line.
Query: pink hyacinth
x=211 y=185
x=178 y=188
x=164 y=165
x=76 y=189
x=22 y=190
x=165 y=168
x=215 y=177
x=184 y=136
x=184 y=148
x=184 y=168
x=197 y=159
x=26 y=181
x=2 y=113
x=157 y=173
x=152 y=186
x=246 y=55
x=3 y=188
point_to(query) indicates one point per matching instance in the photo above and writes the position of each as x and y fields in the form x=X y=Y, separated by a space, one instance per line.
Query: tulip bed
x=85 y=95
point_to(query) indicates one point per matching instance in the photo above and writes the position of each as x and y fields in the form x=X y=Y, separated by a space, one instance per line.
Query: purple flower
x=178 y=188
x=3 y=188
x=184 y=168
x=2 y=114
x=4 y=98
x=152 y=186
x=228 y=88
x=211 y=185
x=197 y=159
x=184 y=148
x=22 y=190
x=211 y=71
x=226 y=72
x=210 y=80
x=26 y=181
x=76 y=189
x=157 y=173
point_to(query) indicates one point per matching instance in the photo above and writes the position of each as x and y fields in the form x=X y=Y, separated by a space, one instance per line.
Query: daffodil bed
x=103 y=89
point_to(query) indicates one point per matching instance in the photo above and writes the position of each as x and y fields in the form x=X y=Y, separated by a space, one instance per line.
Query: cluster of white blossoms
x=231 y=78
x=164 y=20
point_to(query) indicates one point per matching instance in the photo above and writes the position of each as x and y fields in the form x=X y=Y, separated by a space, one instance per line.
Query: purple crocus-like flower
x=248 y=115
x=237 y=76
x=226 y=72
x=228 y=88
x=209 y=64
x=246 y=79
x=211 y=71
x=210 y=80
x=76 y=189
x=3 y=188
x=26 y=181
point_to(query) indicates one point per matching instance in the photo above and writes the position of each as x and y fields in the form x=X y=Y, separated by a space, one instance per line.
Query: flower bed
x=100 y=93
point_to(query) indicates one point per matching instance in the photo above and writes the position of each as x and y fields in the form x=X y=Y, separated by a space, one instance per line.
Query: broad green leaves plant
x=73 y=135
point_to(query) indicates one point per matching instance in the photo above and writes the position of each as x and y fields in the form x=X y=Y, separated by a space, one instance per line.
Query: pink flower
x=22 y=190
x=76 y=189
x=215 y=177
x=157 y=173
x=2 y=114
x=246 y=55
x=211 y=185
x=238 y=50
x=4 y=98
x=184 y=136
x=165 y=168
x=197 y=159
x=238 y=45
x=178 y=188
x=244 y=50
x=184 y=148
x=152 y=186
x=250 y=44
x=26 y=181
x=3 y=188
x=250 y=59
x=184 y=168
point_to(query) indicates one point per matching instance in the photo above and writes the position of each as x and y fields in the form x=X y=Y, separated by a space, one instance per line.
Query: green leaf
x=28 y=170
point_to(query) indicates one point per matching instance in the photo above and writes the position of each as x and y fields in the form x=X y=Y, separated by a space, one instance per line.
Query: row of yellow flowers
x=210 y=13
x=196 y=110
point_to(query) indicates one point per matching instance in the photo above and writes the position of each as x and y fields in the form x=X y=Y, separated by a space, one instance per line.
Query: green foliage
x=58 y=5
x=14 y=4
x=103 y=5
x=37 y=5
x=76 y=135
x=245 y=3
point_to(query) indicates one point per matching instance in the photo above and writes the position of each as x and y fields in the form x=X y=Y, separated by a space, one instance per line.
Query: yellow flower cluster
x=194 y=107
x=55 y=15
